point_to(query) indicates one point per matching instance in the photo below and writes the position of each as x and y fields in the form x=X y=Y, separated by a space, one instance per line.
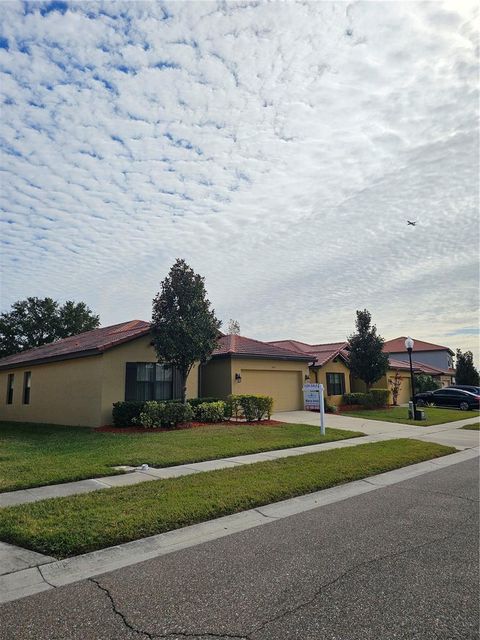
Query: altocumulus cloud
x=278 y=147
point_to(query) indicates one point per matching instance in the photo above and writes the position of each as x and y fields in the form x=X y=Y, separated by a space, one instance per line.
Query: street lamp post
x=409 y=344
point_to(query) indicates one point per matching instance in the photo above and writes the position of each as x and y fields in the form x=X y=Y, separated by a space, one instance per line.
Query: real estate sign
x=311 y=396
x=313 y=401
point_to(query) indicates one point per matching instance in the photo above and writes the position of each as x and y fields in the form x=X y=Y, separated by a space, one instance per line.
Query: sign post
x=313 y=401
x=322 y=410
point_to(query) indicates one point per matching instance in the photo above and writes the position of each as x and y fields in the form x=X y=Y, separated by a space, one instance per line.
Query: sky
x=278 y=147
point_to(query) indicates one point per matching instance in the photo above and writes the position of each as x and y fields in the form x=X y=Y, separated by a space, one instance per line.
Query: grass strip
x=62 y=527
x=32 y=455
x=474 y=426
x=434 y=415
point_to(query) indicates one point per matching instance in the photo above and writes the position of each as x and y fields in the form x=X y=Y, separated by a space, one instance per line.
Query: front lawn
x=33 y=454
x=63 y=527
x=400 y=414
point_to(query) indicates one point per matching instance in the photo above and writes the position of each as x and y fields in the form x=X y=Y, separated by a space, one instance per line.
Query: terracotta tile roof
x=398 y=345
x=87 y=343
x=322 y=353
x=235 y=345
x=418 y=367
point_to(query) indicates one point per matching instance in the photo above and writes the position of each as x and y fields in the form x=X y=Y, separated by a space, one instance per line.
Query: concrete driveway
x=450 y=433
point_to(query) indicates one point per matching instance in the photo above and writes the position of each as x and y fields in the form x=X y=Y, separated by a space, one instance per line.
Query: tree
x=35 y=321
x=425 y=383
x=366 y=358
x=396 y=385
x=233 y=327
x=465 y=372
x=185 y=329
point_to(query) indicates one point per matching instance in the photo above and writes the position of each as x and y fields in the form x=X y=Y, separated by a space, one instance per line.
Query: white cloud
x=278 y=147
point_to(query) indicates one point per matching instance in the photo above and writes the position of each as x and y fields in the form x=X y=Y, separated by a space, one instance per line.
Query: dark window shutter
x=130 y=381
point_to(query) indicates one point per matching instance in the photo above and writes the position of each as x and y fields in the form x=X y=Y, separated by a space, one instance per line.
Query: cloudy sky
x=278 y=147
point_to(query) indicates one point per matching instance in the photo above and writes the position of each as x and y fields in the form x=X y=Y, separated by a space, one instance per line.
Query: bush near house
x=126 y=414
x=375 y=398
x=164 y=414
x=152 y=414
x=210 y=411
x=251 y=407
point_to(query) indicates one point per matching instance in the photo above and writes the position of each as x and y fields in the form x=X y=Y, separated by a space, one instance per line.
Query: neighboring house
x=76 y=380
x=241 y=365
x=433 y=359
x=328 y=365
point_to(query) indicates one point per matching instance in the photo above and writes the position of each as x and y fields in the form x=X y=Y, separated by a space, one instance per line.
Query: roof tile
x=98 y=340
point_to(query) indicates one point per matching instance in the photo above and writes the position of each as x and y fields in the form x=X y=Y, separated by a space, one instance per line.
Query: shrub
x=328 y=407
x=374 y=399
x=210 y=411
x=425 y=383
x=352 y=398
x=125 y=414
x=164 y=414
x=380 y=397
x=196 y=401
x=251 y=407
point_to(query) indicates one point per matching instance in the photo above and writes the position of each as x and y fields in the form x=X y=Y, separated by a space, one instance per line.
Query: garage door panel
x=285 y=387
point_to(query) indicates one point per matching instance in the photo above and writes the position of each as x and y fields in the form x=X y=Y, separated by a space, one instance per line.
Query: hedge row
x=172 y=412
x=373 y=399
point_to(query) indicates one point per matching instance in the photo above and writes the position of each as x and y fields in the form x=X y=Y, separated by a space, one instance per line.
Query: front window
x=151 y=381
x=335 y=384
x=10 y=381
x=27 y=383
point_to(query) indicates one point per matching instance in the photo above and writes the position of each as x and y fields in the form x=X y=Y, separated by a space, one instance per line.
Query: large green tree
x=366 y=358
x=466 y=373
x=37 y=321
x=184 y=327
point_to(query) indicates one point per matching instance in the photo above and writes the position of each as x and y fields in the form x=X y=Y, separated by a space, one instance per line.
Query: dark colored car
x=465 y=387
x=449 y=397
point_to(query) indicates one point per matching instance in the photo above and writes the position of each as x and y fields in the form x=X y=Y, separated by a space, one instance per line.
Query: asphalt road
x=396 y=563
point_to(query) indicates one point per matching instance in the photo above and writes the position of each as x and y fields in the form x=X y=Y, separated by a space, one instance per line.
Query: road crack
x=350 y=571
x=117 y=612
x=171 y=634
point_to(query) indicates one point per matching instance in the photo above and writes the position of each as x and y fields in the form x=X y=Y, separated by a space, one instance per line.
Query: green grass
x=33 y=454
x=400 y=414
x=474 y=426
x=69 y=526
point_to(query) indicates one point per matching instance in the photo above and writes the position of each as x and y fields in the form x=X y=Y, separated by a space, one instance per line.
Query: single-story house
x=75 y=381
x=328 y=365
x=241 y=365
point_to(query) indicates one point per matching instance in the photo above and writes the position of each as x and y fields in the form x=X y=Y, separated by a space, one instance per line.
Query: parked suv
x=449 y=397
x=465 y=387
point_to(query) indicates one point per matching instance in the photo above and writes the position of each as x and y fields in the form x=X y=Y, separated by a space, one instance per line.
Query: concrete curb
x=59 y=573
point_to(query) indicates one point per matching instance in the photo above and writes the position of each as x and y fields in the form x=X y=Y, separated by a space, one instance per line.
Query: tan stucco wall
x=66 y=392
x=80 y=391
x=321 y=377
x=405 y=389
x=216 y=378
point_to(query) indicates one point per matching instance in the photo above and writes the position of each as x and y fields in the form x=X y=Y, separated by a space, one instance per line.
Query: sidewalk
x=448 y=434
x=34 y=573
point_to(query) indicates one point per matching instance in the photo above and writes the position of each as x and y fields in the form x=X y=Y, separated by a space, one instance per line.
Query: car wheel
x=464 y=406
x=420 y=403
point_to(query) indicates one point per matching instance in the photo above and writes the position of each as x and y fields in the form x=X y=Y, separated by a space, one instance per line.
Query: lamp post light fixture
x=409 y=344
